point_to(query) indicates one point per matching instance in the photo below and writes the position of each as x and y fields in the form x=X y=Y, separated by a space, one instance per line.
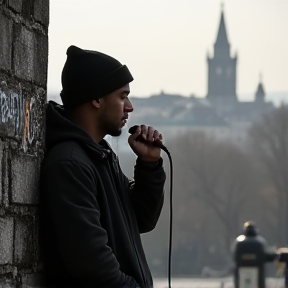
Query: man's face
x=114 y=109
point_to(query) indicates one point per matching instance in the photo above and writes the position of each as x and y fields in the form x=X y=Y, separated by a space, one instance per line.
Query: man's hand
x=141 y=143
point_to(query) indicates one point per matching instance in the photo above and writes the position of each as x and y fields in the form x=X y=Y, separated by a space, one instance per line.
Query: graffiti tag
x=17 y=112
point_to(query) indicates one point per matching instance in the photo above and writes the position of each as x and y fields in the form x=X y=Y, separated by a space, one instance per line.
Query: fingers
x=146 y=143
x=150 y=134
x=144 y=131
x=134 y=136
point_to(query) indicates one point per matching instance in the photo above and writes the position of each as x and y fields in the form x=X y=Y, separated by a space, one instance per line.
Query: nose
x=128 y=106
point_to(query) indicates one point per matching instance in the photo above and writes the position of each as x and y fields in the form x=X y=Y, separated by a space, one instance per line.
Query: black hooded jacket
x=91 y=215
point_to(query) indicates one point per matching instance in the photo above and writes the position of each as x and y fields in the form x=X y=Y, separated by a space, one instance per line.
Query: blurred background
x=212 y=77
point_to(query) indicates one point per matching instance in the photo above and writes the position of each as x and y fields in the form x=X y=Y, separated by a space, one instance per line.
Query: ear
x=96 y=103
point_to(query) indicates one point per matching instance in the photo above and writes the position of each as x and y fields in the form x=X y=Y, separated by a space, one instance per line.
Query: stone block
x=41 y=11
x=24 y=53
x=16 y=5
x=41 y=59
x=23 y=244
x=8 y=283
x=35 y=280
x=24 y=179
x=27 y=9
x=1 y=171
x=30 y=55
x=5 y=42
x=6 y=240
x=5 y=178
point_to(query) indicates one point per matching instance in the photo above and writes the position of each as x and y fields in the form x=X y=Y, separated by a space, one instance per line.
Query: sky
x=165 y=43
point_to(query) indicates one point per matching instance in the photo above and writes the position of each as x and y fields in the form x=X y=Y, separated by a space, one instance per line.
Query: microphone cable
x=164 y=148
x=132 y=130
x=171 y=216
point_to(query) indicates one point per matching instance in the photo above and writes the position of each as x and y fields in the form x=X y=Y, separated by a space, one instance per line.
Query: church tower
x=260 y=93
x=222 y=68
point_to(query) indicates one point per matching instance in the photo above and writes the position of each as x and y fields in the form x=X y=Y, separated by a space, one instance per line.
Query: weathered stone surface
x=5 y=179
x=1 y=170
x=16 y=5
x=41 y=59
x=41 y=11
x=32 y=280
x=6 y=240
x=12 y=111
x=23 y=244
x=24 y=53
x=8 y=283
x=23 y=80
x=30 y=55
x=5 y=42
x=24 y=179
x=27 y=9
x=21 y=115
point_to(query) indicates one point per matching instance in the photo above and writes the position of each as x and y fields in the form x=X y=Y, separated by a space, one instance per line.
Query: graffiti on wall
x=17 y=113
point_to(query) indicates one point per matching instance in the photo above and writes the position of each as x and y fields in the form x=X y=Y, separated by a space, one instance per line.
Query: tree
x=220 y=175
x=269 y=138
x=213 y=195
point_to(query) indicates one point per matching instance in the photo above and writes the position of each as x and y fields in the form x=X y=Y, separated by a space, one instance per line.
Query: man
x=91 y=215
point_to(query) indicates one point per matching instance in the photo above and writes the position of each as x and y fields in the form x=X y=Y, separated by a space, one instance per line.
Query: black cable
x=132 y=130
x=171 y=215
x=171 y=218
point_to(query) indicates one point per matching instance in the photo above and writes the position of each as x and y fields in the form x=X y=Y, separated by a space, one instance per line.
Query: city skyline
x=143 y=41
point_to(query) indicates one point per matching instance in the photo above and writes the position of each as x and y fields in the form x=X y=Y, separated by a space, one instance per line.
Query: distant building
x=222 y=92
x=222 y=68
x=220 y=114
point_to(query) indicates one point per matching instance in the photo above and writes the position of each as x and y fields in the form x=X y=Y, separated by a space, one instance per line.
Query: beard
x=116 y=133
x=114 y=130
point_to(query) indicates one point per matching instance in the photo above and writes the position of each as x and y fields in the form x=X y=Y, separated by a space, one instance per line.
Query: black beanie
x=88 y=75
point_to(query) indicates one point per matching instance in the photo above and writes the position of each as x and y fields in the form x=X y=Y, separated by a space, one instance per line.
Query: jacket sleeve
x=147 y=193
x=72 y=203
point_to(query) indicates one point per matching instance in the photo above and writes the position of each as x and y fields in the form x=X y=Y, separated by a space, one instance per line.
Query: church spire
x=222 y=67
x=260 y=93
x=222 y=45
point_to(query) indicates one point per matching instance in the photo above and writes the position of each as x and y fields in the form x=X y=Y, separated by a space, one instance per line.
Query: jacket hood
x=60 y=129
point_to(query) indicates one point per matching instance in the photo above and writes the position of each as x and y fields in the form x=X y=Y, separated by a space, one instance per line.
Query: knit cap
x=89 y=75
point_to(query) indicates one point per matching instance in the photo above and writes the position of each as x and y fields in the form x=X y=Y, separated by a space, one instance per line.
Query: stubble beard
x=116 y=133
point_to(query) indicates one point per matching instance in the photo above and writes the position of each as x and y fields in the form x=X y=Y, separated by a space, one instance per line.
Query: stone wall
x=23 y=78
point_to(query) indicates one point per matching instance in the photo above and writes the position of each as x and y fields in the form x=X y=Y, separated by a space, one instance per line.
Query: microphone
x=156 y=143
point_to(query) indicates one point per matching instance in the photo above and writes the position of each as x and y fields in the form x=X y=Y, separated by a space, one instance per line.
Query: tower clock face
x=218 y=70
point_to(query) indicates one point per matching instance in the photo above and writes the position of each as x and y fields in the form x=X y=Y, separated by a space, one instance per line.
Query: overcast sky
x=164 y=43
